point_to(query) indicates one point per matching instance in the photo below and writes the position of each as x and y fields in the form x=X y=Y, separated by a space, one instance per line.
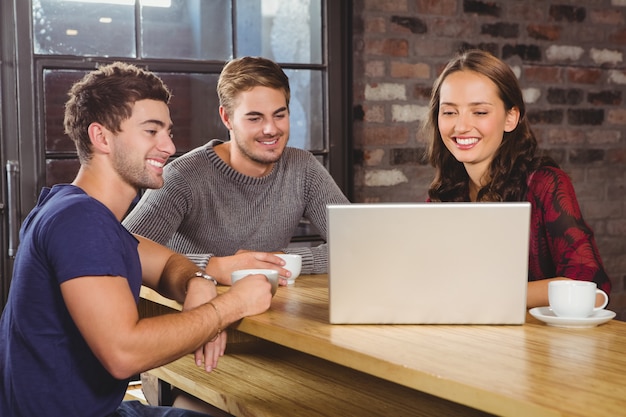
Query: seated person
x=231 y=205
x=483 y=149
x=70 y=333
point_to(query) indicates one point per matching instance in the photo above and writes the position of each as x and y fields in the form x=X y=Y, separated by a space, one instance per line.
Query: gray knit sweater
x=206 y=208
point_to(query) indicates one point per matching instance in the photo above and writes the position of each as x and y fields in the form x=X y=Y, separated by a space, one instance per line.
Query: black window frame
x=337 y=64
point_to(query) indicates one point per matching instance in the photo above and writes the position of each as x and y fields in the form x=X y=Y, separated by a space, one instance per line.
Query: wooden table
x=528 y=370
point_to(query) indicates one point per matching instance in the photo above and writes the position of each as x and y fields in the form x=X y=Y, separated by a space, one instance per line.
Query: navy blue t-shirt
x=46 y=366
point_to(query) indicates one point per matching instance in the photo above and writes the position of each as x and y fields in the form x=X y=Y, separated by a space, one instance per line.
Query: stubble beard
x=265 y=158
x=134 y=174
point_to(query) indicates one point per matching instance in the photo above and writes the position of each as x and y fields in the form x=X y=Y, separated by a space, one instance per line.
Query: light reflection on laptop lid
x=428 y=263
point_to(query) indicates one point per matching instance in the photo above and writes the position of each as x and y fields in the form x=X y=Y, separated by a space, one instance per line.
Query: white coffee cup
x=293 y=263
x=270 y=274
x=575 y=299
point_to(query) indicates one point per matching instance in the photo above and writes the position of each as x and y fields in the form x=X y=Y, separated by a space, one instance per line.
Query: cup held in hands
x=293 y=263
x=270 y=274
x=575 y=299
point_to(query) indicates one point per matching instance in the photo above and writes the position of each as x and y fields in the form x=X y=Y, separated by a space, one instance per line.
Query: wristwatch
x=201 y=274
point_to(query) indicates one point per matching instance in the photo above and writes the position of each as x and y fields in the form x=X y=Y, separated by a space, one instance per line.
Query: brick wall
x=569 y=56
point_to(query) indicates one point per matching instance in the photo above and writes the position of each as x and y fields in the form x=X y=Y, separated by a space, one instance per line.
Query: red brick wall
x=569 y=56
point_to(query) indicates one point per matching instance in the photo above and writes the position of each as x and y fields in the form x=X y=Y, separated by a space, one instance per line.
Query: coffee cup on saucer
x=575 y=299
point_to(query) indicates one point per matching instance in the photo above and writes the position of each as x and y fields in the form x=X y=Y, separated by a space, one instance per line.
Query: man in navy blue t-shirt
x=70 y=334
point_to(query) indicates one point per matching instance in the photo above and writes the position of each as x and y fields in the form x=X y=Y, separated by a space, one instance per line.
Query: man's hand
x=222 y=267
x=201 y=291
x=210 y=353
x=249 y=296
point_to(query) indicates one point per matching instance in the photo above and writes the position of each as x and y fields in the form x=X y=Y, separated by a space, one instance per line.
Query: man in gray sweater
x=232 y=205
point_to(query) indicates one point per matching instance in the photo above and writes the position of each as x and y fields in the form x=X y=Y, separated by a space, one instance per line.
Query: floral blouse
x=561 y=243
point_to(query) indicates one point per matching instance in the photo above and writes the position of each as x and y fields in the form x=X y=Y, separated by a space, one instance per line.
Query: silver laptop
x=428 y=263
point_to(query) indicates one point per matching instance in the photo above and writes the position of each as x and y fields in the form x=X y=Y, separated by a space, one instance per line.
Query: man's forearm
x=177 y=272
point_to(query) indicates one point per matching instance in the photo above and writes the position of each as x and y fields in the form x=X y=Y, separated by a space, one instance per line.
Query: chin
x=150 y=185
x=270 y=157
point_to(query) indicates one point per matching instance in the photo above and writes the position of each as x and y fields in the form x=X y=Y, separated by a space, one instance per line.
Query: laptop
x=428 y=263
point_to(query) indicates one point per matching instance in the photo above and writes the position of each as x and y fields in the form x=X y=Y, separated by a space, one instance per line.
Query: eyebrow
x=475 y=103
x=257 y=113
x=157 y=122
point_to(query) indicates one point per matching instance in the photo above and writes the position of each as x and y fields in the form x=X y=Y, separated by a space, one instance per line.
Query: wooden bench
x=260 y=378
x=271 y=380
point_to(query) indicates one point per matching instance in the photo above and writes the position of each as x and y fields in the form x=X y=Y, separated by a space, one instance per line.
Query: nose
x=462 y=123
x=270 y=128
x=166 y=144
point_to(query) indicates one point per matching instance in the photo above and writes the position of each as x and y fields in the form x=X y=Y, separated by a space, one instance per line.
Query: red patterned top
x=561 y=242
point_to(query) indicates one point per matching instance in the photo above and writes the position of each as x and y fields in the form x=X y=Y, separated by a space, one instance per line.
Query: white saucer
x=546 y=315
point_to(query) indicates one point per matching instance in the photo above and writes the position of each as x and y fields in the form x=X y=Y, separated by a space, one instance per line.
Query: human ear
x=512 y=119
x=98 y=136
x=225 y=117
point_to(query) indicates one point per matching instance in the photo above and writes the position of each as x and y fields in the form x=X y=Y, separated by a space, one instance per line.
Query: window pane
x=56 y=84
x=187 y=29
x=61 y=171
x=306 y=110
x=194 y=109
x=287 y=31
x=71 y=27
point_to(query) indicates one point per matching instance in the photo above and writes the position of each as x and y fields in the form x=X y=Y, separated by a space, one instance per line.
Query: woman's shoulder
x=550 y=180
x=548 y=174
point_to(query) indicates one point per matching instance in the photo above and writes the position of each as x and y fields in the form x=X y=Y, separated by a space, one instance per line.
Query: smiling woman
x=472 y=113
x=483 y=149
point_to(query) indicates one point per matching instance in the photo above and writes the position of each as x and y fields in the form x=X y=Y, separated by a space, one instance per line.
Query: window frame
x=337 y=67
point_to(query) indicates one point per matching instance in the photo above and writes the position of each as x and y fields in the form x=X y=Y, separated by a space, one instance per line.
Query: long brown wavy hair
x=516 y=157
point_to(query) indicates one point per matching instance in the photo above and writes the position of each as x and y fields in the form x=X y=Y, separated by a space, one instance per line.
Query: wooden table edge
x=431 y=384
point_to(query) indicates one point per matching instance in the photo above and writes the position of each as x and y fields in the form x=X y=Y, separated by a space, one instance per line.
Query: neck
x=477 y=179
x=114 y=193
x=240 y=162
x=473 y=191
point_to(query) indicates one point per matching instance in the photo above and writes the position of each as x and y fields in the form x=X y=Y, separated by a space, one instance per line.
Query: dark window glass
x=61 y=171
x=56 y=84
x=194 y=110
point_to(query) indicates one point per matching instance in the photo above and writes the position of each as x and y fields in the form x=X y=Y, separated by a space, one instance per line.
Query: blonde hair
x=243 y=74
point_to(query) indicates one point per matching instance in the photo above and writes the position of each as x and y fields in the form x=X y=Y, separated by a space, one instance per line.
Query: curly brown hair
x=107 y=95
x=516 y=157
